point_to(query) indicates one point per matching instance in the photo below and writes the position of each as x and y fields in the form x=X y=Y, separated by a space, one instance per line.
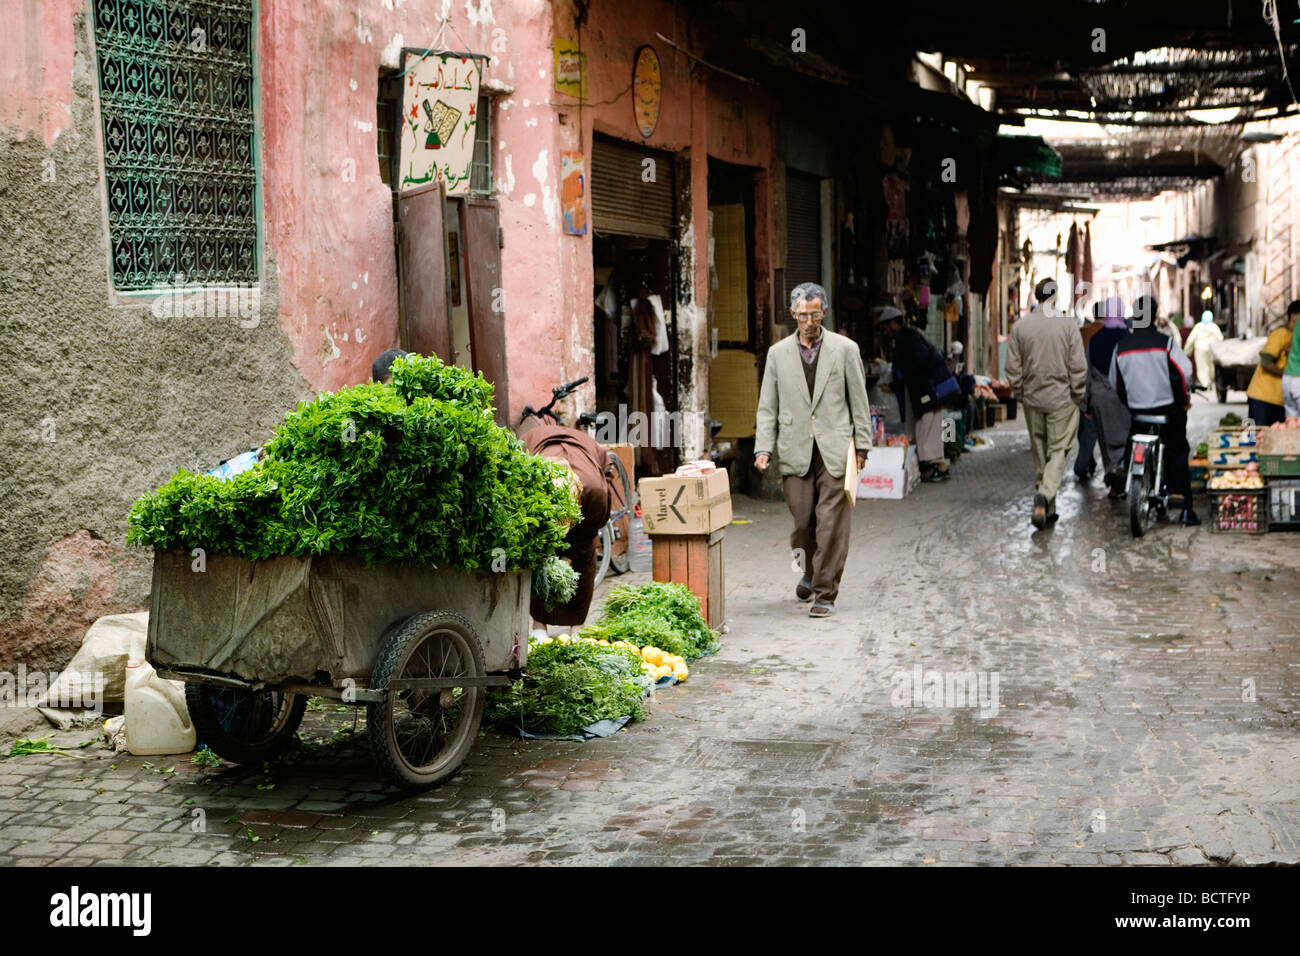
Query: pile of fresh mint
x=413 y=472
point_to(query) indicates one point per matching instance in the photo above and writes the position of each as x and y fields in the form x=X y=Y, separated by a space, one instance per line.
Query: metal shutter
x=622 y=202
x=803 y=206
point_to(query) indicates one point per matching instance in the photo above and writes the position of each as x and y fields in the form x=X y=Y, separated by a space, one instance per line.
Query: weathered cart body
x=417 y=646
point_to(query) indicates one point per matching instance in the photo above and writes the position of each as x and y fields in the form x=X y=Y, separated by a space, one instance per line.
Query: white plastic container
x=157 y=720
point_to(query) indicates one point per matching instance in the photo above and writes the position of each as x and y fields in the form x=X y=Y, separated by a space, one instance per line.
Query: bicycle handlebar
x=563 y=390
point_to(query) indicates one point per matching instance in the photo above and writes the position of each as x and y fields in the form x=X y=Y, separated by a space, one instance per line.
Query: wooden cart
x=418 y=647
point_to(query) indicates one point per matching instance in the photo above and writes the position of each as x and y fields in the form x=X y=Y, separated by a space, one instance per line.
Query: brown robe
x=587 y=459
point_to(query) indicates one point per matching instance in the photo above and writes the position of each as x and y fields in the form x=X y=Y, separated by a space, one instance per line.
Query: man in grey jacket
x=813 y=400
x=1047 y=370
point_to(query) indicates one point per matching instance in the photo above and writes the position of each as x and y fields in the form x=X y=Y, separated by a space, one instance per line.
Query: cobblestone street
x=1147 y=689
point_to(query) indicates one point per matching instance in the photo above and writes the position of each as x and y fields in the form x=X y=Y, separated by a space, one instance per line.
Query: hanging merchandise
x=660 y=345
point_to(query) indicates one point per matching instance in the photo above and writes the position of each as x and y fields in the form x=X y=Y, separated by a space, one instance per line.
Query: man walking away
x=1152 y=376
x=1264 y=396
x=813 y=401
x=1048 y=372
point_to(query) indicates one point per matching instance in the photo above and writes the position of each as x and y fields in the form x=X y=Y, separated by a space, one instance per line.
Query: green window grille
x=176 y=92
x=480 y=169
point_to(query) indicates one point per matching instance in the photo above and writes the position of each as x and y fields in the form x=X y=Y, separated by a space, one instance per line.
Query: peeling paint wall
x=102 y=401
x=132 y=397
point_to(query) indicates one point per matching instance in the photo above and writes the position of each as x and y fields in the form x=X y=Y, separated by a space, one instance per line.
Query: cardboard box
x=890 y=473
x=697 y=505
x=1279 y=441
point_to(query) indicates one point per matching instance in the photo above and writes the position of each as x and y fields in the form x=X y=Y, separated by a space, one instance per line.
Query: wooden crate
x=694 y=560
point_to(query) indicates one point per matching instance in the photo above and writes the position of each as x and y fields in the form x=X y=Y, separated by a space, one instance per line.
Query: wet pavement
x=1131 y=702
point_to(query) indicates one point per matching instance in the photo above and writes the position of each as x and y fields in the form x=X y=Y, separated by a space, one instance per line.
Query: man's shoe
x=1053 y=518
x=1039 y=517
x=803 y=590
x=821 y=609
x=1189 y=518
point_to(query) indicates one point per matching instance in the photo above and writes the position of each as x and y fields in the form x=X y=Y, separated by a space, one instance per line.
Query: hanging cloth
x=1072 y=260
x=1087 y=253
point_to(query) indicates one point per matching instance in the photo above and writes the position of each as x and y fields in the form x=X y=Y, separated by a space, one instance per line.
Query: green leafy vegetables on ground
x=665 y=615
x=569 y=685
x=412 y=472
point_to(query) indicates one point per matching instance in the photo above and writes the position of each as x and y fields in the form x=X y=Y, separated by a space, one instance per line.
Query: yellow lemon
x=652 y=654
x=603 y=643
x=542 y=640
x=680 y=672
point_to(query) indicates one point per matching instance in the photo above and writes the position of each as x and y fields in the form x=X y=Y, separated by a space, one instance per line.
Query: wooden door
x=422 y=267
x=485 y=297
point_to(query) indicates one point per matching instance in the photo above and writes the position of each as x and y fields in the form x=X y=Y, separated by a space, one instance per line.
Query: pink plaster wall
x=694 y=119
x=37 y=46
x=330 y=232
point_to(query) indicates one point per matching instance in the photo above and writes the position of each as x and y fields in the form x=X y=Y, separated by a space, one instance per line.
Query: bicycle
x=615 y=537
x=1146 y=474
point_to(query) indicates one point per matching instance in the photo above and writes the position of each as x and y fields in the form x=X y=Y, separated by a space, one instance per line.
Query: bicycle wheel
x=1139 y=502
x=620 y=514
x=604 y=547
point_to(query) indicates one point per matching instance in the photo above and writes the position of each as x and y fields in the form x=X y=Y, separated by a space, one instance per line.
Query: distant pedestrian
x=812 y=402
x=1048 y=372
x=1198 y=347
x=1109 y=415
x=1264 y=403
x=1291 y=379
x=1085 y=465
x=919 y=370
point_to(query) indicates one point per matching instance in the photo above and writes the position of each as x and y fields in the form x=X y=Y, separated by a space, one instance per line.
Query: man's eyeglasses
x=814 y=316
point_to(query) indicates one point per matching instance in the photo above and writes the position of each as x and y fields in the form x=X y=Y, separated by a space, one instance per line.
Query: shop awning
x=1028 y=154
x=1188 y=249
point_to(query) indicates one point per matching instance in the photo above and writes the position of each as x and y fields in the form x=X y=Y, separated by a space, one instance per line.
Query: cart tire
x=420 y=739
x=244 y=726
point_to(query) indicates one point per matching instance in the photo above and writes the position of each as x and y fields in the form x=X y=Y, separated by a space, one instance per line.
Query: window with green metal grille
x=480 y=172
x=176 y=93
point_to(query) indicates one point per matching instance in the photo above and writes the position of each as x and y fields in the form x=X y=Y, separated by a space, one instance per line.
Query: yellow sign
x=570 y=68
x=647 y=90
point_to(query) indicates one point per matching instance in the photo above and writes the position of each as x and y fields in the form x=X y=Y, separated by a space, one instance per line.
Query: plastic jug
x=157 y=720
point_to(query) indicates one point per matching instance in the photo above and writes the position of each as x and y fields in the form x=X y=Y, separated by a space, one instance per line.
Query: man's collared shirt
x=809 y=352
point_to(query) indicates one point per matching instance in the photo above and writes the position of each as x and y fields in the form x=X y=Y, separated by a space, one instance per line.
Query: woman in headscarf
x=1199 y=347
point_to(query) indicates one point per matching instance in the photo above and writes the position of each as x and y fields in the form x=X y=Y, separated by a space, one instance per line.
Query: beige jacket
x=789 y=422
x=1046 y=364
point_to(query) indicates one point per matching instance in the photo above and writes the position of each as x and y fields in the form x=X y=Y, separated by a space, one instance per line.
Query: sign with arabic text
x=570 y=68
x=439 y=119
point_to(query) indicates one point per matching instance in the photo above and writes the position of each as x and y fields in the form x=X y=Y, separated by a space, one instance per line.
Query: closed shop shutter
x=622 y=202
x=803 y=258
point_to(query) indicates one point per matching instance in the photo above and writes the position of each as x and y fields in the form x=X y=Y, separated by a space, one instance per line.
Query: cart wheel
x=419 y=738
x=244 y=726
